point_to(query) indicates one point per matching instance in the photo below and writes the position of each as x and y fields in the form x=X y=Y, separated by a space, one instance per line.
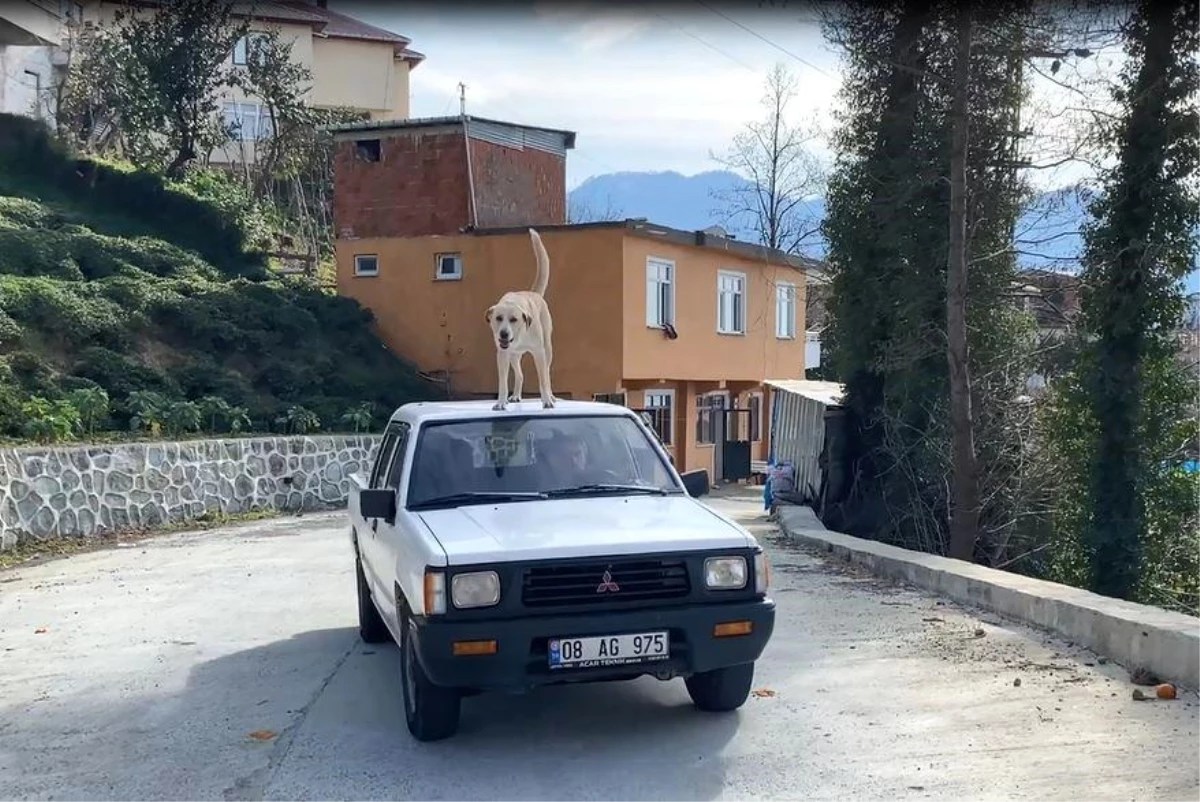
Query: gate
x=735 y=445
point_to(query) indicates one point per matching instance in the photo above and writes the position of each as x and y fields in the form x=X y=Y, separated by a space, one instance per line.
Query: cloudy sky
x=646 y=86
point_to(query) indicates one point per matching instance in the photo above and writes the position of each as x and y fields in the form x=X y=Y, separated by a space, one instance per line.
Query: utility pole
x=462 y=99
x=964 y=473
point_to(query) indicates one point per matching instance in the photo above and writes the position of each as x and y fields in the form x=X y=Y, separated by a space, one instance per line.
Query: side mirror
x=696 y=482
x=377 y=503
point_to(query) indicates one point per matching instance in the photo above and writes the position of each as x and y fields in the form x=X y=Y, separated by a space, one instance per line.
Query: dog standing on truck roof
x=521 y=324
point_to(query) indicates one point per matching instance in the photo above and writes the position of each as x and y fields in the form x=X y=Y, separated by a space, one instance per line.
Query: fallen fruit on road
x=1165 y=691
x=263 y=735
x=763 y=693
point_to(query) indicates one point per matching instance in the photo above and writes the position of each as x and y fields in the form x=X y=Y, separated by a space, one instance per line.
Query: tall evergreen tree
x=888 y=233
x=1137 y=251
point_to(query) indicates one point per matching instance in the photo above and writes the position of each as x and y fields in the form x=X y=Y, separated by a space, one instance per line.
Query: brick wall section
x=419 y=186
x=518 y=187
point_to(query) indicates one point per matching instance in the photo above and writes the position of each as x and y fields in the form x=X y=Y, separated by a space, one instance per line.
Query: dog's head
x=508 y=322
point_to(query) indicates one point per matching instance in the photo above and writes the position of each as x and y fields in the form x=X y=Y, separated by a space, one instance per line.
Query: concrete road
x=158 y=662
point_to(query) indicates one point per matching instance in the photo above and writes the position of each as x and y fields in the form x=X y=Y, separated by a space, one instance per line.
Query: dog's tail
x=543 y=264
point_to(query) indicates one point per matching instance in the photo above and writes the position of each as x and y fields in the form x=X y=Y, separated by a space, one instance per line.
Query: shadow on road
x=640 y=739
x=333 y=720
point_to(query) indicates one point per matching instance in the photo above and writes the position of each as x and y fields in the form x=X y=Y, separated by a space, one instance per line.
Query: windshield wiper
x=474 y=497
x=597 y=489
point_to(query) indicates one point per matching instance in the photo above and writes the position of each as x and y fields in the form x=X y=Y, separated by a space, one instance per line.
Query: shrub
x=92 y=406
x=148 y=411
x=299 y=420
x=359 y=417
x=181 y=417
x=49 y=421
x=121 y=376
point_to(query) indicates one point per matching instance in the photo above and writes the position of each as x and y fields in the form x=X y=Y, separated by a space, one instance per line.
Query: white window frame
x=358 y=271
x=785 y=311
x=438 y=275
x=668 y=394
x=704 y=401
x=242 y=47
x=236 y=114
x=656 y=316
x=740 y=309
x=756 y=433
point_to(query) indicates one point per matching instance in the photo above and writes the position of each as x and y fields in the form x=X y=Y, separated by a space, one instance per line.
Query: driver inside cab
x=566 y=460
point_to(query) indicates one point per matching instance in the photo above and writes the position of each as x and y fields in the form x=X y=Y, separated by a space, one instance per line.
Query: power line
x=709 y=45
x=758 y=35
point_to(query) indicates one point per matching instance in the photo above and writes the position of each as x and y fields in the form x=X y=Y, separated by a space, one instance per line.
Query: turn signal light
x=464 y=648
x=731 y=629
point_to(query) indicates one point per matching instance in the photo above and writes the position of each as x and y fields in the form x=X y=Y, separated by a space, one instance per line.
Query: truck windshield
x=519 y=458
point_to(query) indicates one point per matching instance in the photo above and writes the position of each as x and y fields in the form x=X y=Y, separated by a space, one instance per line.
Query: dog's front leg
x=543 y=372
x=518 y=381
x=502 y=366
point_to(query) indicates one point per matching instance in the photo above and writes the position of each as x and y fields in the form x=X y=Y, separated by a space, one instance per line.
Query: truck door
x=368 y=539
x=388 y=538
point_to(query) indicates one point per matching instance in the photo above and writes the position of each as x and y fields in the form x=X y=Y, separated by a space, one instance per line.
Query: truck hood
x=580 y=527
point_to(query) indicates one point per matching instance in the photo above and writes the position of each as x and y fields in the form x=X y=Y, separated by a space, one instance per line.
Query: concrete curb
x=1133 y=635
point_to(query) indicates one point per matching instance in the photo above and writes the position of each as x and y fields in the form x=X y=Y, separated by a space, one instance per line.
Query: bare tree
x=581 y=211
x=964 y=507
x=772 y=154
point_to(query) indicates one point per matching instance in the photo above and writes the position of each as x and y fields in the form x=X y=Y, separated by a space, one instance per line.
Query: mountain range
x=1047 y=232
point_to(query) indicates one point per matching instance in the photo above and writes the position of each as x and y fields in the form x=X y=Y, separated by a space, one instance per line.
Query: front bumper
x=521 y=659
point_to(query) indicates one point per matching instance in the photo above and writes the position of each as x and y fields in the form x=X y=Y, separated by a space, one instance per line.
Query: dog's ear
x=528 y=319
x=488 y=314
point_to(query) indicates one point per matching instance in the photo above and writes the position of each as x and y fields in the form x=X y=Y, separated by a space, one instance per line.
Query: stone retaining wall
x=89 y=490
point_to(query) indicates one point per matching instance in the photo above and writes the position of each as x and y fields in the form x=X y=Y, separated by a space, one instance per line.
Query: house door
x=734 y=445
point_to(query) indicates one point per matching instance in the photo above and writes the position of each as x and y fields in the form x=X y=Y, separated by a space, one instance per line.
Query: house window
x=661 y=404
x=610 y=398
x=248 y=121
x=710 y=417
x=660 y=293
x=243 y=47
x=785 y=311
x=449 y=266
x=731 y=302
x=754 y=403
x=366 y=265
x=367 y=150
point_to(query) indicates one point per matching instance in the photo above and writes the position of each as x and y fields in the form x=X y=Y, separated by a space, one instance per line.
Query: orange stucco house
x=432 y=221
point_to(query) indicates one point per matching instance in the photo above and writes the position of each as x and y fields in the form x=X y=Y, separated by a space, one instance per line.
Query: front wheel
x=721 y=690
x=430 y=711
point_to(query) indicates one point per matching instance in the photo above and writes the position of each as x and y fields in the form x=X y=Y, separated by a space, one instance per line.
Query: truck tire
x=430 y=711
x=721 y=690
x=370 y=623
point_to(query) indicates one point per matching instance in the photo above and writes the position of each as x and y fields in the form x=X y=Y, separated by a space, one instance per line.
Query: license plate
x=608 y=650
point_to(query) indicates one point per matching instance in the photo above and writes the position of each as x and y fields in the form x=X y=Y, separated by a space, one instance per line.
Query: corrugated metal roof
x=828 y=393
x=528 y=133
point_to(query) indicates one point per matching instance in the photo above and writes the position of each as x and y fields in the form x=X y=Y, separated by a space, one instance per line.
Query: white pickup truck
x=503 y=550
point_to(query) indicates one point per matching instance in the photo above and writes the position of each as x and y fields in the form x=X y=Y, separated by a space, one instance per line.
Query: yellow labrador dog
x=521 y=324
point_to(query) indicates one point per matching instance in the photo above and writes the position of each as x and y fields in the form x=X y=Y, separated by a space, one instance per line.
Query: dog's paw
x=548 y=403
x=514 y=399
x=499 y=406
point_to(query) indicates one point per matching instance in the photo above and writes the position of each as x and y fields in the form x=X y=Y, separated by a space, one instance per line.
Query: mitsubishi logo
x=607 y=585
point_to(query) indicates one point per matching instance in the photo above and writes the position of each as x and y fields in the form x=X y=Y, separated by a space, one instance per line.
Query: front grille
x=578 y=583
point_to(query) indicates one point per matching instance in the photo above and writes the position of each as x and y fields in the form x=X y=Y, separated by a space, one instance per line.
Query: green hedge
x=91 y=297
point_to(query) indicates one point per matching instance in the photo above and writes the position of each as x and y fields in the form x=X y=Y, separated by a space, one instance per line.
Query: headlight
x=477 y=589
x=762 y=572
x=725 y=573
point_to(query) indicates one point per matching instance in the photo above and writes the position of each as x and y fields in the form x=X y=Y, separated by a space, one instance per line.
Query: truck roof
x=422 y=411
